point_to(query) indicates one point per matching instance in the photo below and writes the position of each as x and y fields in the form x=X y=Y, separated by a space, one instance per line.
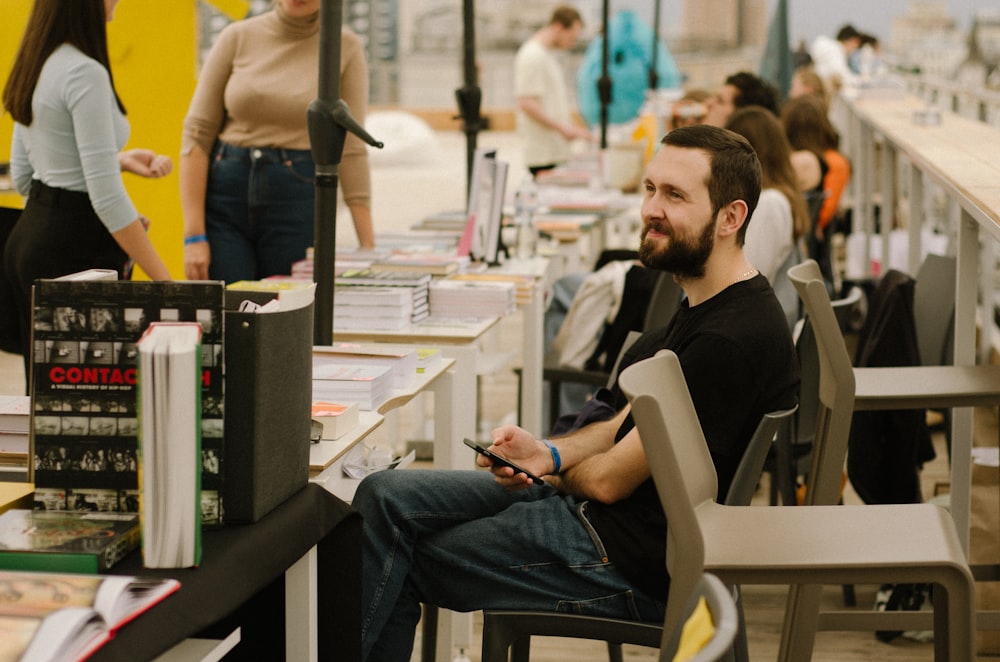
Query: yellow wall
x=153 y=54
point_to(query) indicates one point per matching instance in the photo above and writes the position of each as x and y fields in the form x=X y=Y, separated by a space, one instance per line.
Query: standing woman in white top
x=66 y=156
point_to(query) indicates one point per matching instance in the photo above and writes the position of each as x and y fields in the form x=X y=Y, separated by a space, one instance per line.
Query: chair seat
x=926 y=387
x=915 y=543
x=823 y=543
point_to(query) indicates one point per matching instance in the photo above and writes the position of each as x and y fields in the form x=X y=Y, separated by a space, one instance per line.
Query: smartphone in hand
x=483 y=449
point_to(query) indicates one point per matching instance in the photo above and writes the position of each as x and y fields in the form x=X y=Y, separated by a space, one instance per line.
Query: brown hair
x=52 y=23
x=763 y=130
x=566 y=16
x=807 y=125
x=735 y=171
x=814 y=82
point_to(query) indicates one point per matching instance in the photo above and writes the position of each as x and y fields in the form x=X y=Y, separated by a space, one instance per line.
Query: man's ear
x=732 y=217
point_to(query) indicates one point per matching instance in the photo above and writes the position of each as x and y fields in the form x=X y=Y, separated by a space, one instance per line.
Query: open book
x=51 y=616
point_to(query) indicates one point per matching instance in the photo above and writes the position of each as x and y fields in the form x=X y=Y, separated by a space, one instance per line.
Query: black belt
x=59 y=198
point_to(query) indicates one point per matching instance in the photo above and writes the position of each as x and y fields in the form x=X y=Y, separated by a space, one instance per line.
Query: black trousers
x=58 y=233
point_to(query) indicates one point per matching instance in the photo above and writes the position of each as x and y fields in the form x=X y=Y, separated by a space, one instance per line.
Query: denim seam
x=581 y=512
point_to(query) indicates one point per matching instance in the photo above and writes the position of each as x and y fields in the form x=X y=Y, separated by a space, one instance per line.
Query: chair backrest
x=629 y=341
x=681 y=467
x=721 y=609
x=752 y=463
x=836 y=387
x=934 y=308
x=807 y=353
x=663 y=302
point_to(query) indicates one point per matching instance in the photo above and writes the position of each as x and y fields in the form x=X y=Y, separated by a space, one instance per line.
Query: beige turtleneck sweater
x=257 y=82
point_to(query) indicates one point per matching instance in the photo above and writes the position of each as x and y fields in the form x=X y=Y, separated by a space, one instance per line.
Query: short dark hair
x=754 y=91
x=566 y=16
x=734 y=170
x=847 y=32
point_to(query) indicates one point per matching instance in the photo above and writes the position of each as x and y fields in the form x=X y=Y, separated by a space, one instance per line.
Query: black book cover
x=83 y=387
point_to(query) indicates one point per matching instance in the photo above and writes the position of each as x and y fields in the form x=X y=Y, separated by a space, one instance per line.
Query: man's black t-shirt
x=739 y=364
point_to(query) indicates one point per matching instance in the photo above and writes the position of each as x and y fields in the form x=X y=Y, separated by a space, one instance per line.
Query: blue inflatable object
x=630 y=53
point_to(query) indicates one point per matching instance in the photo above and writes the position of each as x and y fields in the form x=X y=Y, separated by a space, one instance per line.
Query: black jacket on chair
x=888 y=448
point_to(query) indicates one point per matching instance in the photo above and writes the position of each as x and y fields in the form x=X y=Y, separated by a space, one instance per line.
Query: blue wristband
x=195 y=239
x=556 y=460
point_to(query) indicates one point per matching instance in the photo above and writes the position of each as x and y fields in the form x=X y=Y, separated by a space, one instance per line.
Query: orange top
x=837 y=174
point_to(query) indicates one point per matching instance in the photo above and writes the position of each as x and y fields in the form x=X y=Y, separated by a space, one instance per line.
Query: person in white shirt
x=830 y=57
x=544 y=115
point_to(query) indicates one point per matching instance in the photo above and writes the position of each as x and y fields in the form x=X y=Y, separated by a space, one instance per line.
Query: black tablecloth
x=241 y=566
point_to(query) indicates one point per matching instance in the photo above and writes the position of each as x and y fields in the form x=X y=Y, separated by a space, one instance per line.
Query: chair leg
x=740 y=652
x=495 y=645
x=798 y=634
x=850 y=599
x=520 y=650
x=614 y=652
x=428 y=636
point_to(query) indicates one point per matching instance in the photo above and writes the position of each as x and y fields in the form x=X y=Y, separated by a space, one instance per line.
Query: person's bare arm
x=361 y=214
x=609 y=476
x=532 y=107
x=194 y=183
x=593 y=465
x=134 y=241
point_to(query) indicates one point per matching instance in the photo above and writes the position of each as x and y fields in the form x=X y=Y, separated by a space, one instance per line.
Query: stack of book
x=15 y=421
x=465 y=298
x=334 y=419
x=367 y=385
x=524 y=286
x=401 y=358
x=436 y=264
x=382 y=301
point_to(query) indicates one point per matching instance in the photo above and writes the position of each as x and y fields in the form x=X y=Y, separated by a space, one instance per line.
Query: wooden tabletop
x=961 y=154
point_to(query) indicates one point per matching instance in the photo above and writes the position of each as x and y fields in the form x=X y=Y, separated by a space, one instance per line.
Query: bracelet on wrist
x=195 y=239
x=556 y=459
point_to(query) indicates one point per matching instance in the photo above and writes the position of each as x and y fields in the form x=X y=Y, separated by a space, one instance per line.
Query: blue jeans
x=258 y=210
x=458 y=540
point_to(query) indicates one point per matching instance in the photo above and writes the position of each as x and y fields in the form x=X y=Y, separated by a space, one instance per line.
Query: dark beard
x=684 y=259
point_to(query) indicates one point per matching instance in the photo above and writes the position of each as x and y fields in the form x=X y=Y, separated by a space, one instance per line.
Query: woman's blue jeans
x=258 y=210
x=458 y=540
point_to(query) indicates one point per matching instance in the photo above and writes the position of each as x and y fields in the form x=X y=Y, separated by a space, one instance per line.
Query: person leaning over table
x=66 y=158
x=246 y=170
x=544 y=116
x=592 y=538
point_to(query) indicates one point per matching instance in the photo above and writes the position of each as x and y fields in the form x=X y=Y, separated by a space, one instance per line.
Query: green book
x=65 y=541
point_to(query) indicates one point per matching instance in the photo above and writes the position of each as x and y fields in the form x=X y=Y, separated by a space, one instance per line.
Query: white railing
x=901 y=154
x=968 y=101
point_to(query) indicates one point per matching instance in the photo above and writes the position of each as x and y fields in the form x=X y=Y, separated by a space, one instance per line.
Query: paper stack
x=15 y=419
x=461 y=298
x=364 y=299
x=367 y=385
x=401 y=358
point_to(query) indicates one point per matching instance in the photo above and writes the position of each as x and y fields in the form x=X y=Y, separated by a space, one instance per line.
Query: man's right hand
x=522 y=448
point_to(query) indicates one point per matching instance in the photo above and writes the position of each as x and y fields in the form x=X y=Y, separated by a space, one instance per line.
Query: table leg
x=300 y=610
x=532 y=357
